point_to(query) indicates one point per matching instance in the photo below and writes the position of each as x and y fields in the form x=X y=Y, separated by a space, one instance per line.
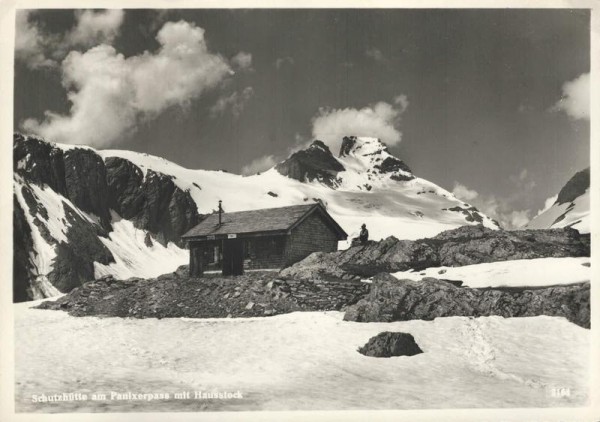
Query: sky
x=490 y=104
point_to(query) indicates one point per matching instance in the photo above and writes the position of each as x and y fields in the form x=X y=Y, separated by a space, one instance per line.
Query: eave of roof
x=262 y=222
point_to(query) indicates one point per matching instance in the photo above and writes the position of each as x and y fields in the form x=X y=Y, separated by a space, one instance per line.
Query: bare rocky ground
x=265 y=294
x=332 y=281
x=177 y=295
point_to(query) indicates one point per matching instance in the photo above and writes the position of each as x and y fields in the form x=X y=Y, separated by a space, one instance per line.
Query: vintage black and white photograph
x=300 y=209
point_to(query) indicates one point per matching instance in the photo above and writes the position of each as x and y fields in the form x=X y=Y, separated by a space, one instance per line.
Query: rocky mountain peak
x=571 y=208
x=320 y=145
x=575 y=187
x=362 y=145
x=313 y=163
x=371 y=157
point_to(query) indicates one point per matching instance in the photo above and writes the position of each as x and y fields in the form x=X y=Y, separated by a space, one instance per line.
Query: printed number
x=561 y=392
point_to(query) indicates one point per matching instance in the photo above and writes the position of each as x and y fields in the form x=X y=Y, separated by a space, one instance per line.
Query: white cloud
x=575 y=99
x=401 y=101
x=522 y=181
x=464 y=193
x=39 y=49
x=235 y=102
x=242 y=61
x=375 y=54
x=93 y=28
x=518 y=219
x=259 y=165
x=547 y=204
x=281 y=61
x=499 y=209
x=30 y=43
x=378 y=120
x=110 y=93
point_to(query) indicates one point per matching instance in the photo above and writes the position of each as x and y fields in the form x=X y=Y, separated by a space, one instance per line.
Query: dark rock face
x=74 y=263
x=401 y=300
x=462 y=246
x=85 y=180
x=39 y=162
x=471 y=213
x=393 y=165
x=124 y=181
x=155 y=203
x=74 y=259
x=575 y=187
x=388 y=344
x=80 y=175
x=348 y=143
x=22 y=246
x=314 y=163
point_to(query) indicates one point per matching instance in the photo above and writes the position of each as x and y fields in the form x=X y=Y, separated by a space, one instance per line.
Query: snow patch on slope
x=133 y=258
x=516 y=273
x=360 y=162
x=574 y=214
x=42 y=256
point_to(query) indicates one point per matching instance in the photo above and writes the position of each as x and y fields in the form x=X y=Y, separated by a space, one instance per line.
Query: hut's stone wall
x=312 y=235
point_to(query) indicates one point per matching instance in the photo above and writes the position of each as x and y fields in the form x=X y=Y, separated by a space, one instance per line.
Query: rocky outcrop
x=124 y=180
x=314 y=163
x=388 y=344
x=469 y=245
x=471 y=213
x=571 y=208
x=401 y=300
x=73 y=263
x=462 y=246
x=390 y=165
x=177 y=295
x=78 y=174
x=22 y=247
x=85 y=181
x=153 y=203
x=39 y=162
x=575 y=187
x=94 y=187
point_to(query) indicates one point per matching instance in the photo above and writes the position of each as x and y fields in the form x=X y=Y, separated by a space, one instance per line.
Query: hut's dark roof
x=269 y=220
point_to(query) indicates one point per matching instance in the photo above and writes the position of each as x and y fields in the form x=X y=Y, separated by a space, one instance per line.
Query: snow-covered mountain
x=571 y=208
x=81 y=213
x=365 y=184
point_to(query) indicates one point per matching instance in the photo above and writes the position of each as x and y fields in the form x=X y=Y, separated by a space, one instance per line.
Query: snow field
x=516 y=273
x=299 y=361
x=579 y=214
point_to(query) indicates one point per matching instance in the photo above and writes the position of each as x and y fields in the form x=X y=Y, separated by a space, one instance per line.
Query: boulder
x=388 y=344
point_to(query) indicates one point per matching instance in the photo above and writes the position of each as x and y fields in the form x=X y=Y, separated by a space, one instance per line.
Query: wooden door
x=233 y=257
x=196 y=268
